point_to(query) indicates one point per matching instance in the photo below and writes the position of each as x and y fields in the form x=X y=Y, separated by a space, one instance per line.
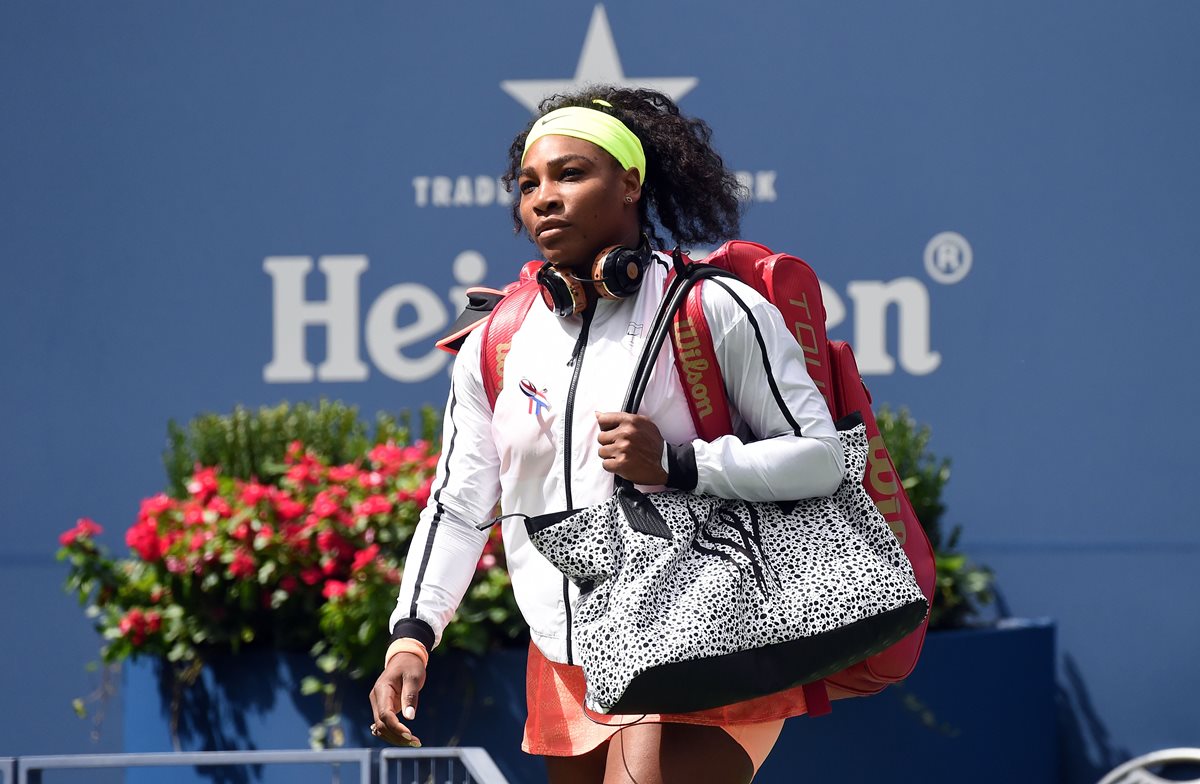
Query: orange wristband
x=407 y=645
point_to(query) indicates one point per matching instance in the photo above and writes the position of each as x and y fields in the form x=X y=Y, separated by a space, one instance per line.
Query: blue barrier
x=458 y=765
x=29 y=769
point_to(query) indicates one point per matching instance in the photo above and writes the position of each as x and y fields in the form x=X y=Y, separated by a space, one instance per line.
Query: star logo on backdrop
x=598 y=64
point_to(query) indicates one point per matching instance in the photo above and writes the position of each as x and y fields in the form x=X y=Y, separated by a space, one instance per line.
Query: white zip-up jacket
x=537 y=451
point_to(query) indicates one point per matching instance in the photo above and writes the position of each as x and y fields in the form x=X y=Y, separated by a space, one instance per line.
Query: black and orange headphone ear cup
x=617 y=272
x=562 y=293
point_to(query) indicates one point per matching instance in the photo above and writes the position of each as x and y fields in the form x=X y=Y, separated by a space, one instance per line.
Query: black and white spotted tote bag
x=691 y=602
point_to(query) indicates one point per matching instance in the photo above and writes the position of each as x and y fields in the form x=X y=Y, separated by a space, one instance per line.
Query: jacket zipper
x=576 y=362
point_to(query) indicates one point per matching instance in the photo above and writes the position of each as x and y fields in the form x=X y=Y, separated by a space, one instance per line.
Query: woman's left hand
x=631 y=447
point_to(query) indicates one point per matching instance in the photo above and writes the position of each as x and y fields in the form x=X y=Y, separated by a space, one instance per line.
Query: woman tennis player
x=605 y=176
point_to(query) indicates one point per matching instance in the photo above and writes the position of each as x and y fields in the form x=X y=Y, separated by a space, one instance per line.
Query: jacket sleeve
x=446 y=545
x=797 y=453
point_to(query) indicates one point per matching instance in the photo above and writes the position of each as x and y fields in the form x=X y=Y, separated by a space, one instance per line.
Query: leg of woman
x=585 y=769
x=675 y=753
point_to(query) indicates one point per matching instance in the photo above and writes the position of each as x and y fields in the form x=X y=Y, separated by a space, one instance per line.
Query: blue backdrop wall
x=1001 y=200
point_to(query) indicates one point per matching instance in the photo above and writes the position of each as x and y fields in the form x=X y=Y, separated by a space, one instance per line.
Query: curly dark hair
x=687 y=191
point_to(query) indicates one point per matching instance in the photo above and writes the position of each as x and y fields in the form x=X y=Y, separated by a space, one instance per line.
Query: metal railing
x=1137 y=770
x=29 y=769
x=395 y=766
x=441 y=765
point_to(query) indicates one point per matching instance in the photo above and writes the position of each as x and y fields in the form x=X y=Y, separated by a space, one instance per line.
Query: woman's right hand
x=394 y=695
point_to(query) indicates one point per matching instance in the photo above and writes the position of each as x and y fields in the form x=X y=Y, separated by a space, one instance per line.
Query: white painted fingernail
x=406 y=736
x=410 y=713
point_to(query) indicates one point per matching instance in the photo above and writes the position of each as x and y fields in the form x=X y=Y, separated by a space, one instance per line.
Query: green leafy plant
x=272 y=519
x=963 y=587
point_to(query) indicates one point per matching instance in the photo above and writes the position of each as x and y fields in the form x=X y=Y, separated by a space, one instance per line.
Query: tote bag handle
x=672 y=301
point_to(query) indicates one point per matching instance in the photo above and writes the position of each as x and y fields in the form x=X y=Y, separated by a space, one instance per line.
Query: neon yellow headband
x=599 y=128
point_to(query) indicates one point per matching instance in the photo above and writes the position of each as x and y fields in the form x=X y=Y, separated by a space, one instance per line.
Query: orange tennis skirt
x=560 y=726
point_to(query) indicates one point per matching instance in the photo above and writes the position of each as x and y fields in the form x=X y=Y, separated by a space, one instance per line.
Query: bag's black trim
x=413 y=628
x=734 y=677
x=849 y=422
x=642 y=515
x=682 y=473
x=541 y=522
x=437 y=514
x=762 y=350
x=786 y=507
x=567 y=608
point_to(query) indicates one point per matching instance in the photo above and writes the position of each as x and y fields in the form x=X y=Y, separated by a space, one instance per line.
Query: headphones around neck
x=616 y=273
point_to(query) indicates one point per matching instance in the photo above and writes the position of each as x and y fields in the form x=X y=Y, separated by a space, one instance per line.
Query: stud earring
x=629 y=200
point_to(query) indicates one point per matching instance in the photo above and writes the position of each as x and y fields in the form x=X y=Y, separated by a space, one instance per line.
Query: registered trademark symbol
x=948 y=257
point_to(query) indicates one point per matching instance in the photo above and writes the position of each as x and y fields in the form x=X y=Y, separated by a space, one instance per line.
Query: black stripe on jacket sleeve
x=438 y=512
x=762 y=350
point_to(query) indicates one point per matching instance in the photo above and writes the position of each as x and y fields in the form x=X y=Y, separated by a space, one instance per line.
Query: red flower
x=387 y=458
x=193 y=513
x=364 y=558
x=333 y=589
x=371 y=480
x=343 y=473
x=289 y=583
x=253 y=492
x=84 y=529
x=143 y=538
x=333 y=544
x=324 y=506
x=153 y=507
x=486 y=562
x=242 y=565
x=306 y=470
x=304 y=473
x=133 y=626
x=311 y=575
x=220 y=506
x=294 y=451
x=288 y=509
x=153 y=621
x=373 y=505
x=203 y=484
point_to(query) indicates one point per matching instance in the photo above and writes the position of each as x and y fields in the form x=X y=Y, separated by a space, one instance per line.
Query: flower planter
x=979 y=707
